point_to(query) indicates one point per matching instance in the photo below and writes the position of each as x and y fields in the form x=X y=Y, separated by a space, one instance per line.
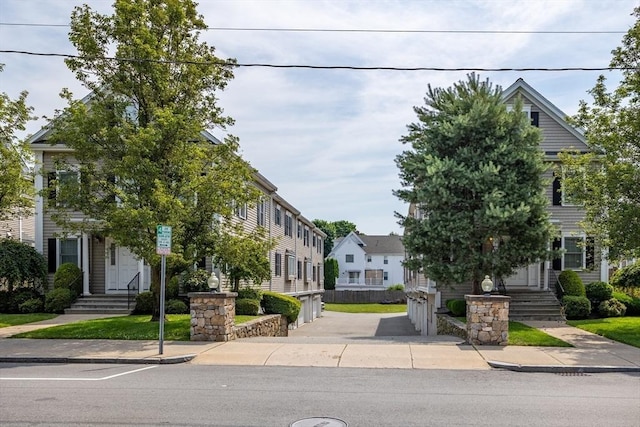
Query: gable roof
x=390 y=244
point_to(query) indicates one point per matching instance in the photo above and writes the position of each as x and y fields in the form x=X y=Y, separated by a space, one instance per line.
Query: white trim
x=39 y=205
x=604 y=266
x=584 y=252
x=85 y=264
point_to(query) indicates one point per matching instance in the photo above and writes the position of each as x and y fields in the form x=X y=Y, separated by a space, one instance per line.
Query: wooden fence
x=363 y=297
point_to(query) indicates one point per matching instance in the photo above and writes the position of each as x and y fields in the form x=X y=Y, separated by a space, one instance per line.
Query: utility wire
x=319 y=67
x=344 y=30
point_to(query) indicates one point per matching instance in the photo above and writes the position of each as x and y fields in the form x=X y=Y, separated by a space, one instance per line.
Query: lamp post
x=487 y=285
x=213 y=282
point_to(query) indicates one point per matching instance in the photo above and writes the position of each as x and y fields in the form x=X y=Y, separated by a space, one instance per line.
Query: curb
x=155 y=360
x=562 y=369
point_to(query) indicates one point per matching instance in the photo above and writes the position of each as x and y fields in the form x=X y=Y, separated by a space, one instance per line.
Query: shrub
x=68 y=276
x=10 y=301
x=576 y=307
x=457 y=307
x=627 y=278
x=195 y=281
x=632 y=303
x=33 y=305
x=21 y=266
x=58 y=299
x=247 y=307
x=275 y=303
x=175 y=306
x=173 y=288
x=250 y=293
x=396 y=287
x=571 y=283
x=598 y=292
x=611 y=308
x=144 y=303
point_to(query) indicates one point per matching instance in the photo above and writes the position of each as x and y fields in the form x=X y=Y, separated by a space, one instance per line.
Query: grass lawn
x=521 y=334
x=622 y=329
x=366 y=308
x=21 y=319
x=136 y=327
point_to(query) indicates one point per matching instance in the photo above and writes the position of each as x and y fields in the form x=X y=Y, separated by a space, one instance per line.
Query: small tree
x=475 y=172
x=331 y=273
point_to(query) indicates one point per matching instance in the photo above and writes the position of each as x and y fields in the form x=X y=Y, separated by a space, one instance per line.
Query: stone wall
x=273 y=325
x=447 y=325
x=212 y=315
x=487 y=319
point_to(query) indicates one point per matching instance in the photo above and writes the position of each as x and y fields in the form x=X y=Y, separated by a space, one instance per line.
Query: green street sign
x=163 y=240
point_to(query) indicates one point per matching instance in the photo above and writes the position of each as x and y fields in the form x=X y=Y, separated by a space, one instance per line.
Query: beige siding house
x=296 y=261
x=578 y=250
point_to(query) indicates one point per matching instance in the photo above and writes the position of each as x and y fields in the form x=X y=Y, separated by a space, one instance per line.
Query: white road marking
x=80 y=379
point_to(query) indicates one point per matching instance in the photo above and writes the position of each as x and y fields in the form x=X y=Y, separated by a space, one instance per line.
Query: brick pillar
x=487 y=319
x=212 y=315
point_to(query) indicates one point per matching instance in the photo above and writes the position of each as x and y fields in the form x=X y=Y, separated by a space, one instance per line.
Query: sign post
x=163 y=247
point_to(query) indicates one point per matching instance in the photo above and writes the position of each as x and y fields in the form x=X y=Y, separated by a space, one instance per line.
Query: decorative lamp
x=487 y=285
x=214 y=282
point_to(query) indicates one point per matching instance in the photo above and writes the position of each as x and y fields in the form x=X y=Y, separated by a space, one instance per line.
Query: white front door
x=122 y=266
x=526 y=277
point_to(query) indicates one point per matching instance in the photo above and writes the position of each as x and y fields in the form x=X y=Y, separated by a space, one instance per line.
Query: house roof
x=390 y=244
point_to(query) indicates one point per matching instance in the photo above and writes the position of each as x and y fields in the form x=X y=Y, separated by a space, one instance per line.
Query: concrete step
x=101 y=304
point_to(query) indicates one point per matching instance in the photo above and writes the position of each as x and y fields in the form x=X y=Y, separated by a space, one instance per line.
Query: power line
x=319 y=67
x=360 y=30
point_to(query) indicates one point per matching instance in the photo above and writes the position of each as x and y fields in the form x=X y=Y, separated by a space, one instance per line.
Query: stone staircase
x=534 y=305
x=101 y=304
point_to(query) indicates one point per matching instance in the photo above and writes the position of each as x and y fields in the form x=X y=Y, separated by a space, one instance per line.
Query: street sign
x=163 y=240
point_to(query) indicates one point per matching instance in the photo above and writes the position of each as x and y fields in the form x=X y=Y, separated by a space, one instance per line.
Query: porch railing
x=132 y=290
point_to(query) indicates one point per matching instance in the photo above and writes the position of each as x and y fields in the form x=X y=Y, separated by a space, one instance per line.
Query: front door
x=122 y=266
x=526 y=277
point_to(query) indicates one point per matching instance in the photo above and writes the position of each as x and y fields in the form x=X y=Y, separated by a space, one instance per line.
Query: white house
x=368 y=262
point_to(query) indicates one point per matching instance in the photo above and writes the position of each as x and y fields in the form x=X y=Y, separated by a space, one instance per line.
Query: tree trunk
x=476 y=289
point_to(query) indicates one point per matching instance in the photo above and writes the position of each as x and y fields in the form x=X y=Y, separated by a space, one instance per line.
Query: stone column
x=212 y=315
x=487 y=319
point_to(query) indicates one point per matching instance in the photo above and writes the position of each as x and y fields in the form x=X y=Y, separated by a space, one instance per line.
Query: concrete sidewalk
x=313 y=345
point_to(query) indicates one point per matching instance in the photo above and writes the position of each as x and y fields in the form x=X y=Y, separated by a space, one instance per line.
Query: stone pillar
x=212 y=315
x=487 y=319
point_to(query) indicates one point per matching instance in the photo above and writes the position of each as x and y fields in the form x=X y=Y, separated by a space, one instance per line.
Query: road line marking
x=80 y=379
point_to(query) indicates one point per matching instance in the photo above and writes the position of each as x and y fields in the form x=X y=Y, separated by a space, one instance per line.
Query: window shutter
x=557 y=192
x=535 y=119
x=557 y=262
x=202 y=262
x=590 y=253
x=51 y=255
x=51 y=184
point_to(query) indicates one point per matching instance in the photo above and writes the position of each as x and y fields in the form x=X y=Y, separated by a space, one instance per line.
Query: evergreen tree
x=475 y=173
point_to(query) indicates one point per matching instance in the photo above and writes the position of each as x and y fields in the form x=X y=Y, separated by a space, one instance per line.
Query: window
x=260 y=207
x=299 y=231
x=291 y=266
x=348 y=258
x=307 y=275
x=368 y=258
x=300 y=270
x=574 y=256
x=277 y=215
x=386 y=260
x=314 y=240
x=314 y=273
x=385 y=275
x=278 y=262
x=535 y=118
x=68 y=251
x=354 y=277
x=288 y=225
x=241 y=211
x=319 y=246
x=58 y=180
x=306 y=236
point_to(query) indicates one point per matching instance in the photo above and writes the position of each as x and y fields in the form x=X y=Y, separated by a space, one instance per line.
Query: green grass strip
x=21 y=319
x=622 y=329
x=366 y=308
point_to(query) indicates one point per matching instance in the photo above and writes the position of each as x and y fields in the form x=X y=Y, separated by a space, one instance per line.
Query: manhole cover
x=319 y=422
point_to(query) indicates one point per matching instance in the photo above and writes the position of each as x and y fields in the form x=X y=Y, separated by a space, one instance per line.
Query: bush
x=631 y=303
x=571 y=283
x=396 y=287
x=627 y=278
x=275 y=303
x=598 y=292
x=144 y=303
x=68 y=276
x=175 y=306
x=611 y=308
x=21 y=266
x=250 y=293
x=173 y=288
x=247 y=307
x=33 y=305
x=195 y=281
x=58 y=299
x=576 y=307
x=457 y=307
x=10 y=301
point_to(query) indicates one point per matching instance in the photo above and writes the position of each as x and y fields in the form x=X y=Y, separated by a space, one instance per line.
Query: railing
x=501 y=286
x=360 y=282
x=557 y=283
x=132 y=289
x=72 y=285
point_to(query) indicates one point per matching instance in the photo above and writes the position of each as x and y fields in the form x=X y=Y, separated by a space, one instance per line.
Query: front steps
x=534 y=305
x=101 y=304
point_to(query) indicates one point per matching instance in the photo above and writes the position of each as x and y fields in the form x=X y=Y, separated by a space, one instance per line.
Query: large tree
x=606 y=180
x=138 y=142
x=334 y=230
x=16 y=188
x=475 y=172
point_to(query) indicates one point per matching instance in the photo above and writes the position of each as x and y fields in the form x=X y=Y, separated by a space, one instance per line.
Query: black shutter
x=535 y=119
x=590 y=255
x=51 y=255
x=557 y=262
x=557 y=192
x=51 y=184
x=202 y=262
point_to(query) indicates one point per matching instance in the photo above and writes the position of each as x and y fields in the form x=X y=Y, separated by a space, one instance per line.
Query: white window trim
x=584 y=252
x=78 y=247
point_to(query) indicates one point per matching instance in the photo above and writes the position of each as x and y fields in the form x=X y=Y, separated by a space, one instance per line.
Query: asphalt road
x=192 y=395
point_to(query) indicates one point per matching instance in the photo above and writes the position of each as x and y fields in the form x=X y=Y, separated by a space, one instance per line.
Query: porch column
x=547 y=265
x=85 y=264
x=141 y=277
x=604 y=266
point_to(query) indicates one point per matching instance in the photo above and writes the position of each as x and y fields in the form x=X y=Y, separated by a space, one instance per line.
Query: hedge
x=576 y=307
x=275 y=303
x=68 y=276
x=247 y=307
x=571 y=285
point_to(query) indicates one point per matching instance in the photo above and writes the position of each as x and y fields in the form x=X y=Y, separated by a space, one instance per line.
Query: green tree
x=331 y=273
x=138 y=143
x=21 y=266
x=605 y=181
x=242 y=255
x=333 y=230
x=474 y=171
x=16 y=188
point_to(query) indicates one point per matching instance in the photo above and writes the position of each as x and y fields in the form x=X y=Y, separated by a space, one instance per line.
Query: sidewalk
x=308 y=347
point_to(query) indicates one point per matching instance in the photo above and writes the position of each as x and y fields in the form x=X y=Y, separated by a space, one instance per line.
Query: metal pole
x=162 y=274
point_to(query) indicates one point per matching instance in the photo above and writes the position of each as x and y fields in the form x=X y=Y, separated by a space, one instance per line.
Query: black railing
x=501 y=286
x=132 y=290
x=557 y=282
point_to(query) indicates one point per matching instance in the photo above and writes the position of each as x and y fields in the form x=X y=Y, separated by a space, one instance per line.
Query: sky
x=328 y=139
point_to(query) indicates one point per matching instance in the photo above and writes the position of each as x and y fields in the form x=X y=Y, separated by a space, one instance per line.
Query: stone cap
x=487 y=297
x=212 y=294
